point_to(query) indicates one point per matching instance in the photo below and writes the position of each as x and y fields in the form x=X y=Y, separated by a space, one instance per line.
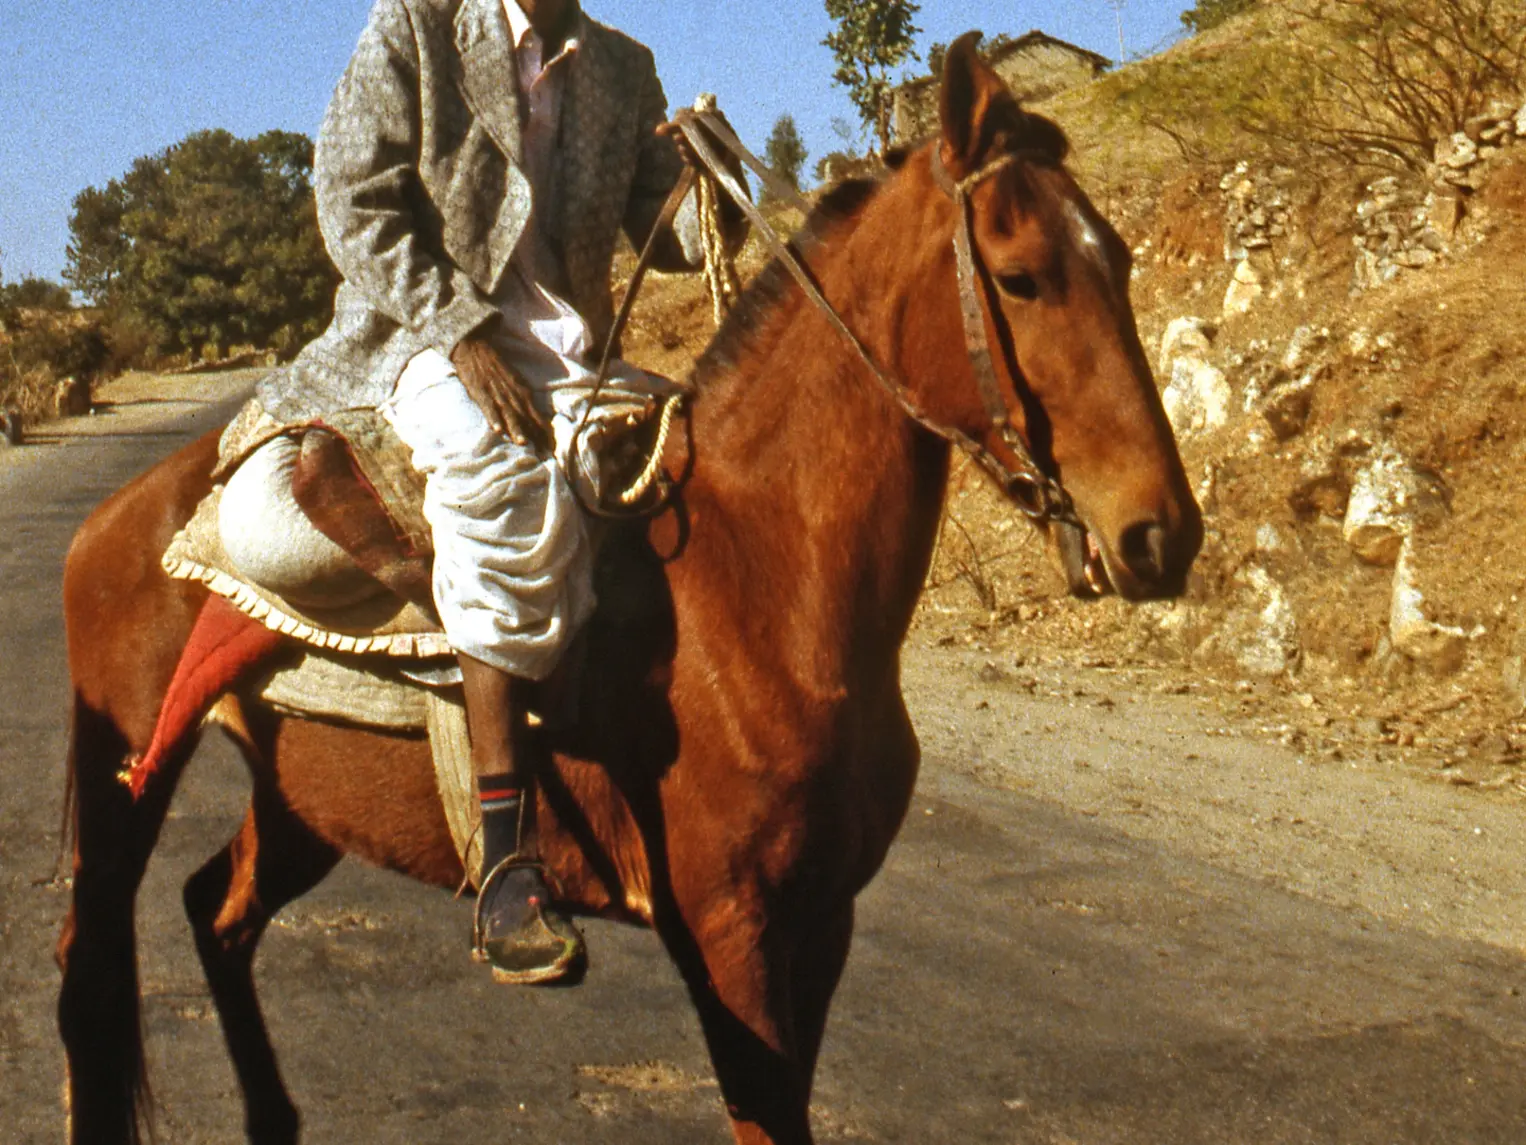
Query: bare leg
x=495 y=718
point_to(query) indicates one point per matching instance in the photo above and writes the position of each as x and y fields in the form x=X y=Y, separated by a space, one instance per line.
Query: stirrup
x=546 y=947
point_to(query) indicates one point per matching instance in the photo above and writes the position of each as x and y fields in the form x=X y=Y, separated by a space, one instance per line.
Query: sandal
x=517 y=932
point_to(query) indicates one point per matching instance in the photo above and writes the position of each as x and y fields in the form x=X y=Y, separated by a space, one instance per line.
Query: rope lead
x=721 y=280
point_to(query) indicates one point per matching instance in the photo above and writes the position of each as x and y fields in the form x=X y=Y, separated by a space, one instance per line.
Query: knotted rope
x=722 y=282
x=724 y=286
x=648 y=476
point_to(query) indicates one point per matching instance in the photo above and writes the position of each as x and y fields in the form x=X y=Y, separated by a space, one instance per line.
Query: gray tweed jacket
x=421 y=201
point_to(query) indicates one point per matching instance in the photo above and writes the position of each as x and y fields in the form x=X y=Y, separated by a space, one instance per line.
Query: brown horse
x=747 y=757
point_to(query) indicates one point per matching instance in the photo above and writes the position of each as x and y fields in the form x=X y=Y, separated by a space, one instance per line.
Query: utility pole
x=1117 y=7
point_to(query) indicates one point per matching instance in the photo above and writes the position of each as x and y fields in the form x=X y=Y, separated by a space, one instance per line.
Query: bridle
x=1037 y=493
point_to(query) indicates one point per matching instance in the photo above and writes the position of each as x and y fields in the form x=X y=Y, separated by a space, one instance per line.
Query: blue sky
x=87 y=86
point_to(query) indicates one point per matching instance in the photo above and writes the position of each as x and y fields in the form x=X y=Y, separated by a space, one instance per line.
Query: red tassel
x=224 y=646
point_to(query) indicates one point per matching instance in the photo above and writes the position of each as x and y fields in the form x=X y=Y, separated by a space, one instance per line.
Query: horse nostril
x=1143 y=549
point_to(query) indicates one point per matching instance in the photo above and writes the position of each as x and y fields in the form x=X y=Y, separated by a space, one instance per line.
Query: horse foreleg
x=737 y=974
x=273 y=860
x=815 y=968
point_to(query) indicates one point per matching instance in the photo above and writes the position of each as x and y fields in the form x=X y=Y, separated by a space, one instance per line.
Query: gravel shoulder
x=1137 y=751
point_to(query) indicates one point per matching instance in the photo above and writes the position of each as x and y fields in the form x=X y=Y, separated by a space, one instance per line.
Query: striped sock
x=499 y=797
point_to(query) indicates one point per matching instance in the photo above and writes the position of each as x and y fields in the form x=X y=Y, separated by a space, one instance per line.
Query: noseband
x=1037 y=494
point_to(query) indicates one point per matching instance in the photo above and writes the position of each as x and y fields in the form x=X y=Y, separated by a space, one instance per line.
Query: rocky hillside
x=1342 y=353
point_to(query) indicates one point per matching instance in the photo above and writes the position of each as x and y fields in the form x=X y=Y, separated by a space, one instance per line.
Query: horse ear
x=972 y=91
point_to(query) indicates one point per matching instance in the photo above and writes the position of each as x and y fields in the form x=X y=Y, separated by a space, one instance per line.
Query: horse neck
x=831 y=495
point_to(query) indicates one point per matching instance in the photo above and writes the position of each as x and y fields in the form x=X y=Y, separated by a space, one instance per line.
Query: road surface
x=1102 y=924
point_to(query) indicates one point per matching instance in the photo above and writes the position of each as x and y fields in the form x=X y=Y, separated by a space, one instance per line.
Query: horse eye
x=1019 y=285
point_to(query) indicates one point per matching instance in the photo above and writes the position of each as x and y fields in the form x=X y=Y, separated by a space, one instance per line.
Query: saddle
x=354 y=481
x=382 y=661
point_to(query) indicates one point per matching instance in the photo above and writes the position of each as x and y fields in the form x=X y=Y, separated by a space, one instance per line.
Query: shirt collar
x=519 y=23
x=519 y=27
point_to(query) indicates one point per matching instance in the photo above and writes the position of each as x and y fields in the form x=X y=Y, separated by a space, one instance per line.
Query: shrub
x=1211 y=13
x=1362 y=83
x=33 y=293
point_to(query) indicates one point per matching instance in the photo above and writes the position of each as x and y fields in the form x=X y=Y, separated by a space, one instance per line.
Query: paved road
x=1024 y=973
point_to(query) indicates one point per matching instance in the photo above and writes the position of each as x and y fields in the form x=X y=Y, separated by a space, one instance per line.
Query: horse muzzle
x=1146 y=562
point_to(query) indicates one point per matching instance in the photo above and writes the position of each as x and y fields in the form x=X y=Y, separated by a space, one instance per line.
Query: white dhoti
x=513 y=568
x=513 y=565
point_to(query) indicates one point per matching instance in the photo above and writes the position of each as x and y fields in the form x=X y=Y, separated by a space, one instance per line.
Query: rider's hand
x=672 y=131
x=499 y=393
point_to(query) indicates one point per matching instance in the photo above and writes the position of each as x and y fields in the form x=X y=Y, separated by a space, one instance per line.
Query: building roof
x=1012 y=47
x=1035 y=37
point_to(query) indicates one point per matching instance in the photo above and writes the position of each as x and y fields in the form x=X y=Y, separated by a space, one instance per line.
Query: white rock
x=1520 y=121
x=1185 y=337
x=1303 y=343
x=1439 y=647
x=1198 y=397
x=1262 y=638
x=11 y=428
x=1243 y=291
x=1269 y=540
x=1378 y=518
x=1207 y=491
x=1457 y=152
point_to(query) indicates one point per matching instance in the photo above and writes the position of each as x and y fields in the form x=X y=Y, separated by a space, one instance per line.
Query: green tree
x=98 y=248
x=211 y=243
x=935 y=57
x=34 y=293
x=785 y=151
x=872 y=37
x=1211 y=13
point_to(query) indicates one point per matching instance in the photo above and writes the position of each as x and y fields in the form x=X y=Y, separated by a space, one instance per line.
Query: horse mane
x=836 y=211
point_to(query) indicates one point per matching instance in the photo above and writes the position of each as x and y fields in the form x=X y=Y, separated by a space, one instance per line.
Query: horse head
x=1069 y=396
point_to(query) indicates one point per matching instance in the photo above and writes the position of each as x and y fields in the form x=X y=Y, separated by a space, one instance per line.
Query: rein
x=1037 y=494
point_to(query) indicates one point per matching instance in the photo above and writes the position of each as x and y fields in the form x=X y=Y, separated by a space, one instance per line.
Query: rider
x=472 y=173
